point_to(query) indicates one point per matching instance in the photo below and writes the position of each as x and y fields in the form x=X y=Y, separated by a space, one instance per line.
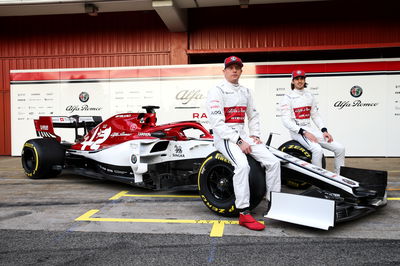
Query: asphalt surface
x=89 y=248
x=73 y=220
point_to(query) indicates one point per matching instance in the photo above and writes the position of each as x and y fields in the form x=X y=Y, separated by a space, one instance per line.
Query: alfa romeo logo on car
x=84 y=97
x=356 y=91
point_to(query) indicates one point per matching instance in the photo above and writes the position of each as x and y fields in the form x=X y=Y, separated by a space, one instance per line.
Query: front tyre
x=42 y=158
x=215 y=184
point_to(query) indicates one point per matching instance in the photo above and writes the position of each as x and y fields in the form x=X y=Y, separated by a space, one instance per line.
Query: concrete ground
x=58 y=209
x=55 y=204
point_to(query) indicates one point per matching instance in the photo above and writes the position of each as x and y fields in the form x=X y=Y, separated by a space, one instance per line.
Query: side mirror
x=158 y=134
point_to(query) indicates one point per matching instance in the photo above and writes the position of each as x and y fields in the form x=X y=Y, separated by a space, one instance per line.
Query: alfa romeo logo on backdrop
x=84 y=96
x=356 y=91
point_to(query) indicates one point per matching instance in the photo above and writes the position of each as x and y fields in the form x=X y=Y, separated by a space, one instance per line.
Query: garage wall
x=5 y=112
x=295 y=27
x=79 y=41
x=141 y=38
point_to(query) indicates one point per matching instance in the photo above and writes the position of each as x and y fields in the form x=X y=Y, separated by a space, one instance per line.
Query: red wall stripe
x=205 y=71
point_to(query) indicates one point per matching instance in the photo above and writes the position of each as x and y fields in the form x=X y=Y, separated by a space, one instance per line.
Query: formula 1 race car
x=128 y=147
x=133 y=149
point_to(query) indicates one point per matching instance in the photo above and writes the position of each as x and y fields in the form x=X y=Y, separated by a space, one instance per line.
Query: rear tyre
x=42 y=158
x=291 y=178
x=215 y=184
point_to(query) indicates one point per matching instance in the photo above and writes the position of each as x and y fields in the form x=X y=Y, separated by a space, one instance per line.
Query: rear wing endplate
x=45 y=125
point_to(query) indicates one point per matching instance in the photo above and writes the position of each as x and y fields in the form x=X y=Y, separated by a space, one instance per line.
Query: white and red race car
x=133 y=149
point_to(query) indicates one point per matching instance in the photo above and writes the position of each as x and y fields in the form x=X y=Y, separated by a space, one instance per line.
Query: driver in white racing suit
x=227 y=105
x=298 y=108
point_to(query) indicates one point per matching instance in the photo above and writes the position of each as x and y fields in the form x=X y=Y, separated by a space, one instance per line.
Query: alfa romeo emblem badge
x=84 y=97
x=356 y=91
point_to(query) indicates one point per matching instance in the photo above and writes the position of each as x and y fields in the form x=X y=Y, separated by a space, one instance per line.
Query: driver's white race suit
x=298 y=108
x=227 y=105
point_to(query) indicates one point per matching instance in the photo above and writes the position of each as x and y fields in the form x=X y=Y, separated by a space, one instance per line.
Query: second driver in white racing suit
x=227 y=105
x=298 y=108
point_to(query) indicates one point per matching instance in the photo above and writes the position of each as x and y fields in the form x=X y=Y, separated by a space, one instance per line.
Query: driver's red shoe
x=248 y=221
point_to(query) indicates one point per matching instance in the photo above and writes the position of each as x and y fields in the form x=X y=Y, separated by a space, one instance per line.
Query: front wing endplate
x=303 y=210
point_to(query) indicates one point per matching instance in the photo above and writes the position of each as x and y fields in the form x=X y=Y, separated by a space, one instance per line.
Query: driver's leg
x=241 y=173
x=339 y=151
x=241 y=185
x=272 y=168
x=313 y=147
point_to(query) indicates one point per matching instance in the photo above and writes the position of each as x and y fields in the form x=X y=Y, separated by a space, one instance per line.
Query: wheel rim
x=29 y=160
x=220 y=183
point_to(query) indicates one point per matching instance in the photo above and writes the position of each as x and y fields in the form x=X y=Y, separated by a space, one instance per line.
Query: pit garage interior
x=79 y=34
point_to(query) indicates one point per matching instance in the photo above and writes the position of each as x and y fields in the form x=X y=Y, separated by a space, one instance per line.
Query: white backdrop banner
x=359 y=100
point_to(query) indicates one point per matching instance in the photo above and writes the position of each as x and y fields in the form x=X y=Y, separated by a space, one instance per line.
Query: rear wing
x=45 y=125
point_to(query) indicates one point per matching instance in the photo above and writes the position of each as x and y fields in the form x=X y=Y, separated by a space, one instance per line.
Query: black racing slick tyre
x=289 y=177
x=42 y=158
x=215 y=184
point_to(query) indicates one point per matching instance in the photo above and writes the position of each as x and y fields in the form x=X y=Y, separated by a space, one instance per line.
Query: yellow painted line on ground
x=119 y=195
x=125 y=194
x=163 y=196
x=393 y=198
x=217 y=229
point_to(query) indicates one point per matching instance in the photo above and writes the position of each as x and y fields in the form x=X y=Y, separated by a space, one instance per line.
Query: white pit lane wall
x=367 y=123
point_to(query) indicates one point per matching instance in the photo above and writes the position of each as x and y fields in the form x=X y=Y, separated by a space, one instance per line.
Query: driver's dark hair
x=292 y=86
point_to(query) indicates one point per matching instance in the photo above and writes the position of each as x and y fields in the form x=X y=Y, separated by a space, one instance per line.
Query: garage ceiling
x=172 y=12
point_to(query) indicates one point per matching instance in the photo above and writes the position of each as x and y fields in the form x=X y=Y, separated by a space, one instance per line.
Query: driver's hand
x=311 y=137
x=256 y=139
x=245 y=147
x=327 y=137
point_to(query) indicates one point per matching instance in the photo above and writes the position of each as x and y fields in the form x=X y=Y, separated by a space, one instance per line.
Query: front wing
x=348 y=196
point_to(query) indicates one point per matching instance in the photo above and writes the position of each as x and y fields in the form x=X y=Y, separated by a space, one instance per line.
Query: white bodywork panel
x=316 y=172
x=121 y=154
